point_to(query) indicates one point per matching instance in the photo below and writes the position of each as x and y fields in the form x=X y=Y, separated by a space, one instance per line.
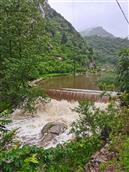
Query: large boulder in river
x=50 y=131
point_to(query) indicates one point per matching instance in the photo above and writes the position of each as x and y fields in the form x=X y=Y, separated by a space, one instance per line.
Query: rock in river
x=50 y=131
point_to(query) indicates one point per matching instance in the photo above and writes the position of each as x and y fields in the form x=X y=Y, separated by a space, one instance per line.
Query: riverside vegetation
x=22 y=29
x=74 y=155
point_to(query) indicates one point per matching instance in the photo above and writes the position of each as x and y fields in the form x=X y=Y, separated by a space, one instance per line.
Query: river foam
x=29 y=126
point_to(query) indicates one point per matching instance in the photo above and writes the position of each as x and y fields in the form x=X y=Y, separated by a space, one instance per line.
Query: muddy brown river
x=77 y=82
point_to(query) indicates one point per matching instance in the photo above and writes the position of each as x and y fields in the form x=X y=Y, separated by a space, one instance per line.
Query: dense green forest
x=33 y=45
x=106 y=49
x=22 y=27
x=36 y=41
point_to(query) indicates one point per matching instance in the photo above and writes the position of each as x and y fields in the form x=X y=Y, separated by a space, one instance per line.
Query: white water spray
x=30 y=126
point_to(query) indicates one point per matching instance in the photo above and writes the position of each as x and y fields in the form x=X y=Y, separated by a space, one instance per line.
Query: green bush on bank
x=107 y=82
x=68 y=157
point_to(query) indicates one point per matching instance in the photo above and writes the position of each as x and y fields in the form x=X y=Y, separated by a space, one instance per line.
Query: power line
x=122 y=12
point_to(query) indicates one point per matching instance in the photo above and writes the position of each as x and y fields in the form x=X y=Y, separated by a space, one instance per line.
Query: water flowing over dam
x=81 y=94
x=80 y=87
x=57 y=113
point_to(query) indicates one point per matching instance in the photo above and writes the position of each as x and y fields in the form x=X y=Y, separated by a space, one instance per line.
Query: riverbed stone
x=50 y=131
x=102 y=156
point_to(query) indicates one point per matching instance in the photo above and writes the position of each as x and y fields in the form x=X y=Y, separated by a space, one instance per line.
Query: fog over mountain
x=97 y=31
x=83 y=14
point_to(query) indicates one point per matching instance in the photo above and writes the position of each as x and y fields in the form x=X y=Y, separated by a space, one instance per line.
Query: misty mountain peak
x=98 y=31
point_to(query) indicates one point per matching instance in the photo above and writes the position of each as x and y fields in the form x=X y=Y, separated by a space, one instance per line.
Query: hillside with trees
x=106 y=49
x=64 y=46
x=106 y=46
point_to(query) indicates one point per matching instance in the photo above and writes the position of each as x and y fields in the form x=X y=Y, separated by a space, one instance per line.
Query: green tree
x=21 y=41
x=123 y=75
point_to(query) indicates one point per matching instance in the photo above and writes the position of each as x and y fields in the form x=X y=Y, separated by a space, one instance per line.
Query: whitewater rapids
x=29 y=126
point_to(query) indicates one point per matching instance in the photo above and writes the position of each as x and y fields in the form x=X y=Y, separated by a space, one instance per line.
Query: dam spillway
x=81 y=94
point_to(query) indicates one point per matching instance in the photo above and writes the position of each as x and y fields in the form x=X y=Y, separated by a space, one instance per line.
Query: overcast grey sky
x=91 y=13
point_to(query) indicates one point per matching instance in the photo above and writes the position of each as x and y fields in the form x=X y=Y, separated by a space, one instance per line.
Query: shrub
x=92 y=120
x=123 y=76
x=68 y=157
x=107 y=82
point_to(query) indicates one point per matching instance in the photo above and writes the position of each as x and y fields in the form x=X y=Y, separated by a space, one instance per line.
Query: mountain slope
x=63 y=44
x=97 y=31
x=107 y=49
